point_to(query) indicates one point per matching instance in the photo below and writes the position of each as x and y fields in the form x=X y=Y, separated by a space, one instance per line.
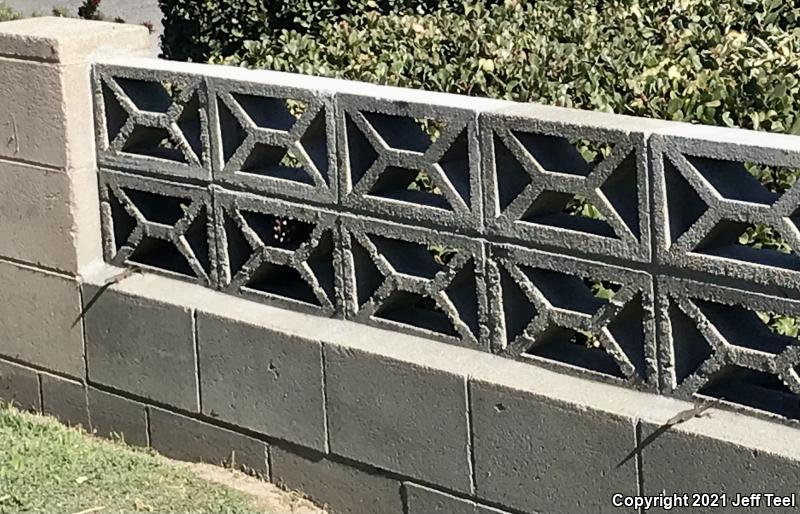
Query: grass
x=47 y=467
x=7 y=13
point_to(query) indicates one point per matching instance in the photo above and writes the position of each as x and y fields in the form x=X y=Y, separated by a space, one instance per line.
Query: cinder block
x=722 y=453
x=158 y=225
x=539 y=184
x=262 y=379
x=143 y=347
x=278 y=252
x=410 y=160
x=540 y=455
x=398 y=416
x=152 y=122
x=416 y=280
x=708 y=198
x=573 y=314
x=47 y=218
x=423 y=500
x=19 y=386
x=344 y=489
x=38 y=319
x=180 y=437
x=114 y=416
x=274 y=139
x=65 y=400
x=715 y=341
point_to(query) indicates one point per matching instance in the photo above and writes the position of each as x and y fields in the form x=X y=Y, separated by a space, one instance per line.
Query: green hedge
x=7 y=13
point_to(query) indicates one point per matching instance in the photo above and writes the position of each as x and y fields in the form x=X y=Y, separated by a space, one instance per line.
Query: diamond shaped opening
x=753 y=389
x=190 y=124
x=743 y=327
x=116 y=115
x=622 y=191
x=455 y=164
x=231 y=131
x=361 y=153
x=321 y=263
x=732 y=180
x=564 y=291
x=161 y=254
x=236 y=245
x=511 y=177
x=684 y=205
x=416 y=311
x=147 y=95
x=153 y=142
x=689 y=346
x=567 y=211
x=278 y=231
x=399 y=132
x=518 y=311
x=408 y=258
x=197 y=237
x=627 y=329
x=462 y=292
x=123 y=223
x=166 y=210
x=276 y=162
x=560 y=155
x=411 y=186
x=368 y=277
x=266 y=112
x=315 y=143
x=283 y=281
x=760 y=244
x=574 y=348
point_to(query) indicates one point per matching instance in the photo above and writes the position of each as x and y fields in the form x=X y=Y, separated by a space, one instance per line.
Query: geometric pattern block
x=415 y=280
x=278 y=253
x=273 y=139
x=152 y=122
x=158 y=225
x=574 y=315
x=538 y=176
x=714 y=342
x=714 y=216
x=409 y=161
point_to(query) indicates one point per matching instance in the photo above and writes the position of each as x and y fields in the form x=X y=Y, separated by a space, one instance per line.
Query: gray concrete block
x=278 y=252
x=539 y=455
x=342 y=489
x=722 y=454
x=262 y=379
x=416 y=280
x=159 y=226
x=533 y=169
x=423 y=500
x=184 y=438
x=152 y=122
x=547 y=310
x=65 y=400
x=19 y=386
x=715 y=341
x=397 y=416
x=707 y=196
x=383 y=146
x=142 y=347
x=115 y=417
x=37 y=319
x=274 y=139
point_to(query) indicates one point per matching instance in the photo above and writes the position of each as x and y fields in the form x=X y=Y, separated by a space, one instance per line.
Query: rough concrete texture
x=70 y=40
x=115 y=417
x=714 y=343
x=38 y=321
x=544 y=307
x=537 y=455
x=19 y=386
x=423 y=500
x=533 y=169
x=152 y=122
x=421 y=281
x=184 y=438
x=65 y=400
x=381 y=412
x=383 y=146
x=277 y=252
x=706 y=197
x=262 y=380
x=274 y=140
x=158 y=225
x=143 y=347
x=345 y=489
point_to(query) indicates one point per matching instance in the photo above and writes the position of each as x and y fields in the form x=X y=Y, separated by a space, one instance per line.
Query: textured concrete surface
x=423 y=500
x=143 y=347
x=262 y=380
x=180 y=437
x=345 y=489
x=114 y=416
x=65 y=400
x=380 y=412
x=19 y=386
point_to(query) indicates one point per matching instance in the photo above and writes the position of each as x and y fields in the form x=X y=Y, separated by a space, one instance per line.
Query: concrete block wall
x=389 y=299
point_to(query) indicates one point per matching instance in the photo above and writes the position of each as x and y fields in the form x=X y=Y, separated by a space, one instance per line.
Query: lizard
x=681 y=417
x=116 y=279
